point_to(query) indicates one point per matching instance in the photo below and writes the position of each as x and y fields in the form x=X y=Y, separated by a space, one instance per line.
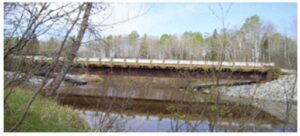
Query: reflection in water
x=100 y=121
x=138 y=87
x=160 y=104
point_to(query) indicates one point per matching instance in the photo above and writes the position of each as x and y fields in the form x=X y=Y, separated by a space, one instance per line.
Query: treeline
x=254 y=41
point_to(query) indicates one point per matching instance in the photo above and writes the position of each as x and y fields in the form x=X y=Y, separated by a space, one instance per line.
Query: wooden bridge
x=178 y=64
x=168 y=68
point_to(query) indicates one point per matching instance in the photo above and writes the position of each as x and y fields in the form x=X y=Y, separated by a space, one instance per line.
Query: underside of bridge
x=200 y=73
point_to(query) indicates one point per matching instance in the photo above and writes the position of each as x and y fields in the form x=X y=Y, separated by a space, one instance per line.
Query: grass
x=45 y=115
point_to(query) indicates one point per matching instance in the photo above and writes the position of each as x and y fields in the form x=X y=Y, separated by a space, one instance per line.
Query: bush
x=45 y=115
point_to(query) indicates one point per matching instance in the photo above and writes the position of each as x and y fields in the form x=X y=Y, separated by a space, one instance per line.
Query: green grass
x=45 y=115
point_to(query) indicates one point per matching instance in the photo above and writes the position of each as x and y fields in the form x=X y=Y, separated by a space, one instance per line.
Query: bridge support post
x=87 y=62
x=191 y=64
x=151 y=65
x=99 y=62
x=137 y=62
x=125 y=62
x=111 y=62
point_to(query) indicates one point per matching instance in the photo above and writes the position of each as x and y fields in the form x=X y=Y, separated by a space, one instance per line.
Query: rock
x=181 y=89
x=206 y=91
x=282 y=89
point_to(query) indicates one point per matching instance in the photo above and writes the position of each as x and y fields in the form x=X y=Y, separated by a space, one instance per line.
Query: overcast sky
x=176 y=18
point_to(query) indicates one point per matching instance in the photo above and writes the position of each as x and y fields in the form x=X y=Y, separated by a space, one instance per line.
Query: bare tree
x=42 y=17
x=73 y=51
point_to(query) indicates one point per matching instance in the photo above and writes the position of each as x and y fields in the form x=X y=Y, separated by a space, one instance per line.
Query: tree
x=164 y=39
x=117 y=46
x=49 y=46
x=163 y=45
x=108 y=45
x=252 y=24
x=267 y=29
x=143 y=52
x=281 y=48
x=251 y=28
x=224 y=41
x=33 y=45
x=213 y=40
x=175 y=47
x=195 y=37
x=10 y=41
x=264 y=48
x=36 y=19
x=132 y=37
x=29 y=20
x=73 y=50
x=191 y=44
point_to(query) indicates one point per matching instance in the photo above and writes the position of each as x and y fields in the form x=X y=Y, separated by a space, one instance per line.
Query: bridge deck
x=176 y=64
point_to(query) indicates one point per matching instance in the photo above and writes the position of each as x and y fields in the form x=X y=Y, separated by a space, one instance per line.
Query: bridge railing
x=157 y=61
x=175 y=62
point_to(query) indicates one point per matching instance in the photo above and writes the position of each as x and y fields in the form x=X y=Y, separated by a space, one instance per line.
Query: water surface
x=148 y=104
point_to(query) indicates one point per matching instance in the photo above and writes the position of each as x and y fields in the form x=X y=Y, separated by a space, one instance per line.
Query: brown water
x=140 y=104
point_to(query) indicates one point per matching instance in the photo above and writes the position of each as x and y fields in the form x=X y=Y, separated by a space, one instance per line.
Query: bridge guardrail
x=129 y=61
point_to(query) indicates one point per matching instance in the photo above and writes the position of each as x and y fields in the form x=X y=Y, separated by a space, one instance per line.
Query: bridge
x=249 y=71
x=129 y=62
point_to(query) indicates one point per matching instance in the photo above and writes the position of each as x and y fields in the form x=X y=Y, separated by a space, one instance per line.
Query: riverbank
x=45 y=115
x=283 y=89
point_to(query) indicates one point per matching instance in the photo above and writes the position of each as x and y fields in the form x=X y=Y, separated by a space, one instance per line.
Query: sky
x=175 y=18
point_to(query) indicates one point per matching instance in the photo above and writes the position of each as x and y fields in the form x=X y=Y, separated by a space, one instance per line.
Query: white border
x=138 y=134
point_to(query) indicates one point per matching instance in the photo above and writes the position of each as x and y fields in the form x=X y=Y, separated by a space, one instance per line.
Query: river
x=149 y=104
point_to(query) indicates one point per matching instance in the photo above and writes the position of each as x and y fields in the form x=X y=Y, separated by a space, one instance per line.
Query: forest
x=253 y=42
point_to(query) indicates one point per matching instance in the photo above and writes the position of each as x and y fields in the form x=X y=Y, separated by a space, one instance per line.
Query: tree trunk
x=73 y=51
